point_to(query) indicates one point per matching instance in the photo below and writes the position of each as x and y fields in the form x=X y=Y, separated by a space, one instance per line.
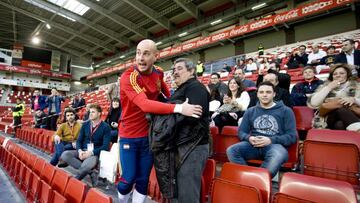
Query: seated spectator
x=94 y=136
x=350 y=56
x=78 y=102
x=240 y=64
x=87 y=113
x=216 y=83
x=304 y=89
x=235 y=103
x=226 y=68
x=299 y=58
x=251 y=66
x=265 y=132
x=280 y=93
x=284 y=78
x=18 y=112
x=329 y=59
x=315 y=56
x=66 y=136
x=113 y=91
x=40 y=119
x=338 y=101
x=285 y=60
x=113 y=118
x=239 y=73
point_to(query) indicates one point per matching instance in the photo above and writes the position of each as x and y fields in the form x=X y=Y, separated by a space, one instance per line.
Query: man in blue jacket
x=266 y=131
x=94 y=136
x=54 y=103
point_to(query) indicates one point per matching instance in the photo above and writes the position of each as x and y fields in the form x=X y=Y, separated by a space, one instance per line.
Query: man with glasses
x=239 y=73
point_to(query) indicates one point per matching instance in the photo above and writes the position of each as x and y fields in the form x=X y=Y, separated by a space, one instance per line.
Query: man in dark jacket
x=265 y=132
x=302 y=90
x=94 y=136
x=191 y=145
x=350 y=56
x=299 y=58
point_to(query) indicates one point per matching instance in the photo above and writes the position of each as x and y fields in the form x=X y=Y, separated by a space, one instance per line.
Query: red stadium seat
x=94 y=196
x=258 y=178
x=316 y=189
x=34 y=188
x=337 y=136
x=75 y=191
x=339 y=161
x=59 y=198
x=207 y=177
x=303 y=116
x=228 y=191
x=39 y=165
x=228 y=137
x=45 y=193
x=60 y=180
x=47 y=173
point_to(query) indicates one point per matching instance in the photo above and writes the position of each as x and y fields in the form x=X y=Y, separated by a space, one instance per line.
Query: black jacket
x=284 y=79
x=297 y=60
x=280 y=95
x=173 y=137
x=341 y=58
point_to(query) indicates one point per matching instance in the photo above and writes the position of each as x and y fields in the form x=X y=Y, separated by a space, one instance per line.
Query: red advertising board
x=20 y=69
x=287 y=16
x=33 y=64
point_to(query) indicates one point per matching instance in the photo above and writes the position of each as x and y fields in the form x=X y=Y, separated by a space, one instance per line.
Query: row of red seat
x=39 y=138
x=39 y=181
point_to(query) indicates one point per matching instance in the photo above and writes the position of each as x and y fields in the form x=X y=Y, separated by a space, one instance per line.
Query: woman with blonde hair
x=338 y=101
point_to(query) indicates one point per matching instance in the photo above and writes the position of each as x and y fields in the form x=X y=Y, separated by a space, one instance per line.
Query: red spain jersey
x=138 y=95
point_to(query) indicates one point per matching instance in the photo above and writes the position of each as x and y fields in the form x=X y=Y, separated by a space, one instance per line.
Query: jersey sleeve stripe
x=133 y=82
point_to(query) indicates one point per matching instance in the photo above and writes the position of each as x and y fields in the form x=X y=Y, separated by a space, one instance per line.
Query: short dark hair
x=96 y=106
x=302 y=46
x=266 y=83
x=69 y=110
x=331 y=47
x=116 y=99
x=217 y=75
x=350 y=40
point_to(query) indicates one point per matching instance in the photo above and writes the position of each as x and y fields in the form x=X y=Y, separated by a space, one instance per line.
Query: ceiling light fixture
x=158 y=43
x=216 y=22
x=123 y=56
x=183 y=34
x=48 y=26
x=108 y=61
x=35 y=40
x=97 y=66
x=262 y=5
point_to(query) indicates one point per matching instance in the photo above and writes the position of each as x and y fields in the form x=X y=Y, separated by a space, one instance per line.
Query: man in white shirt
x=316 y=55
x=350 y=56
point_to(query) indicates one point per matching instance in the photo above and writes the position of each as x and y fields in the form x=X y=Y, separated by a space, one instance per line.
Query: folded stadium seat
x=293 y=160
x=314 y=189
x=214 y=132
x=303 y=117
x=60 y=180
x=39 y=166
x=226 y=138
x=59 y=198
x=48 y=143
x=19 y=177
x=25 y=183
x=32 y=160
x=39 y=139
x=95 y=196
x=34 y=188
x=47 y=173
x=9 y=159
x=206 y=179
x=16 y=169
x=228 y=191
x=45 y=193
x=258 y=178
x=337 y=136
x=339 y=161
x=75 y=191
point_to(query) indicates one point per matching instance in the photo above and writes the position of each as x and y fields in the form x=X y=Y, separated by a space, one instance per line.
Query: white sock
x=123 y=198
x=138 y=197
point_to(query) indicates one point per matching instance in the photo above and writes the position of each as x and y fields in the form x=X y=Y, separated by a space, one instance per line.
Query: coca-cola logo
x=35 y=71
x=239 y=30
x=11 y=68
x=176 y=50
x=33 y=65
x=204 y=41
x=188 y=46
x=285 y=17
x=316 y=7
x=219 y=36
x=164 y=53
x=260 y=24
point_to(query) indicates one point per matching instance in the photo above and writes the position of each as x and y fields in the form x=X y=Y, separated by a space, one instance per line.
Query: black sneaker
x=62 y=164
x=94 y=179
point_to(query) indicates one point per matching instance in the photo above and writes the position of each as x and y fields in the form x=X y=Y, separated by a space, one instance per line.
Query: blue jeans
x=59 y=149
x=274 y=155
x=136 y=161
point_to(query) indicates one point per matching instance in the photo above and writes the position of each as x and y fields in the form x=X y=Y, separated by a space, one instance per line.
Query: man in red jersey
x=140 y=88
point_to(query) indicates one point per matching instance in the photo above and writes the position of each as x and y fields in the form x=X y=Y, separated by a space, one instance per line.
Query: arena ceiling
x=100 y=30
